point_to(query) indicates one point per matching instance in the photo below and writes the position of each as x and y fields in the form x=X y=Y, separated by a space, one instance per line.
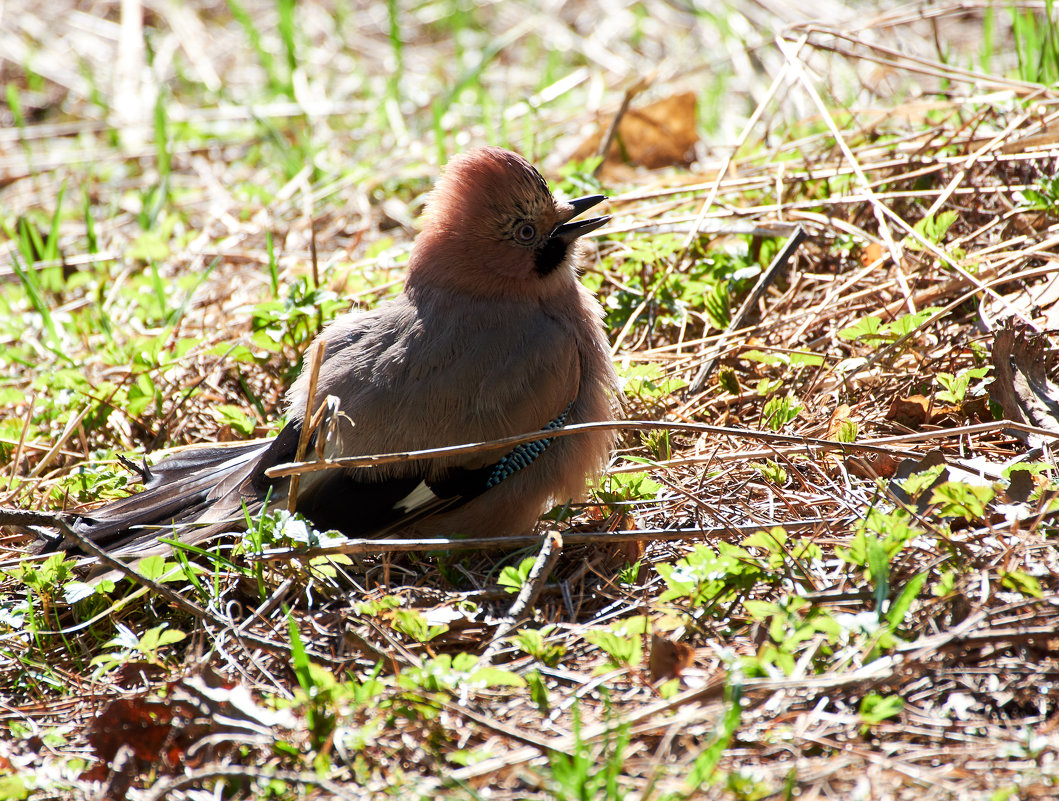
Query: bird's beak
x=569 y=231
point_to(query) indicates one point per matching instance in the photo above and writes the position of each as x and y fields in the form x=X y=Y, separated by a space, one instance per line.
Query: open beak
x=569 y=231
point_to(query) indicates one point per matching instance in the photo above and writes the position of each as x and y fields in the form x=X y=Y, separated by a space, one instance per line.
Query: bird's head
x=493 y=228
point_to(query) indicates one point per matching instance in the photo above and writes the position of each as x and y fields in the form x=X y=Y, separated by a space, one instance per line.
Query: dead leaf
x=669 y=658
x=976 y=409
x=871 y=465
x=917 y=410
x=143 y=725
x=1021 y=385
x=871 y=253
x=137 y=674
x=659 y=135
x=838 y=417
x=911 y=412
x=632 y=552
x=1019 y=487
x=168 y=735
x=1038 y=301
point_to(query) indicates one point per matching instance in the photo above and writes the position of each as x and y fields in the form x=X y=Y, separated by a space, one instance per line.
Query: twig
x=808 y=444
x=790 y=51
x=164 y=787
x=612 y=129
x=316 y=358
x=527 y=596
x=68 y=431
x=361 y=546
x=764 y=281
x=722 y=171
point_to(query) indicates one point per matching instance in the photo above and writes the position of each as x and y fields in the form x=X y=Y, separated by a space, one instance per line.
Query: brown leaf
x=1021 y=385
x=1019 y=487
x=668 y=657
x=917 y=410
x=632 y=551
x=838 y=417
x=872 y=465
x=137 y=674
x=1039 y=301
x=911 y=412
x=976 y=409
x=659 y=135
x=872 y=252
x=142 y=725
x=168 y=734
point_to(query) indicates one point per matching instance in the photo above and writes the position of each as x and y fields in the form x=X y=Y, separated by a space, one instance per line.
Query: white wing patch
x=420 y=496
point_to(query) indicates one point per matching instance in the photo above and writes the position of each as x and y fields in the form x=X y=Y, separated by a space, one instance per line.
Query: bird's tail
x=192 y=494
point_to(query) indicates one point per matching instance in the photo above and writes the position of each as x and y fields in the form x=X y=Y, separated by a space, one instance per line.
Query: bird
x=493 y=335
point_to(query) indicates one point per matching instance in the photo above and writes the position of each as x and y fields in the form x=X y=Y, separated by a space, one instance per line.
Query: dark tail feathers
x=192 y=494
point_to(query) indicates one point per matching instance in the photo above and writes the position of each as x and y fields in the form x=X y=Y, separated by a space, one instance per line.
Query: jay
x=492 y=336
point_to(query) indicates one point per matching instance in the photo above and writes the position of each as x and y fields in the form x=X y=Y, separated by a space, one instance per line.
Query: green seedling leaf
x=141 y=395
x=778 y=411
x=772 y=541
x=513 y=578
x=717 y=303
x=625 y=487
x=956 y=386
x=128 y=645
x=729 y=381
x=236 y=417
x=932 y=228
x=622 y=642
x=533 y=642
x=153 y=244
x=761 y=357
x=1043 y=197
x=159 y=637
x=847 y=431
x=705 y=576
x=299 y=658
x=879 y=570
x=13 y=788
x=1021 y=582
x=958 y=499
x=372 y=608
x=156 y=568
x=863 y=328
x=945 y=584
x=786 y=358
x=875 y=708
x=802 y=359
x=411 y=623
x=908 y=323
x=649 y=381
x=538 y=691
x=46 y=577
x=630 y=573
x=772 y=472
x=895 y=615
x=916 y=483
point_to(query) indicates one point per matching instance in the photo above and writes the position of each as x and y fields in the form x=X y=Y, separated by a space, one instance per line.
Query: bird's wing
x=362 y=502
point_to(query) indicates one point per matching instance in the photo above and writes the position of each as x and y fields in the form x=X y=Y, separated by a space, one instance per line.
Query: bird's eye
x=526 y=233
